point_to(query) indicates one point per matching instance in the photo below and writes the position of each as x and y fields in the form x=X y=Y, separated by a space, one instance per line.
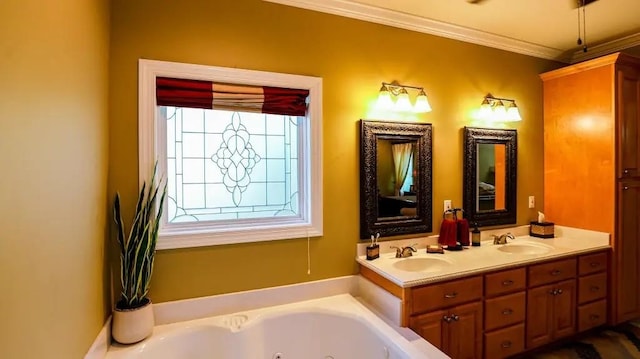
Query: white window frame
x=151 y=147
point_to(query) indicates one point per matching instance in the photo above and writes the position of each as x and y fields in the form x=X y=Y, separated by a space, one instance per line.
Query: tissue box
x=541 y=229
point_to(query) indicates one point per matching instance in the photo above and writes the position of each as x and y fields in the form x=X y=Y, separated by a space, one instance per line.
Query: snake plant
x=138 y=249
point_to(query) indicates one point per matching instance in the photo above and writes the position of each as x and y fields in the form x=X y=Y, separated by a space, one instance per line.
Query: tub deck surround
x=293 y=330
x=202 y=307
x=473 y=260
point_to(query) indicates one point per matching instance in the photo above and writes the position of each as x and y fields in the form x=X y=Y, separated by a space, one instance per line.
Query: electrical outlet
x=447 y=205
x=532 y=202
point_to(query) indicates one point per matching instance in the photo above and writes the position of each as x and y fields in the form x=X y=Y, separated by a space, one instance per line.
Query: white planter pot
x=132 y=325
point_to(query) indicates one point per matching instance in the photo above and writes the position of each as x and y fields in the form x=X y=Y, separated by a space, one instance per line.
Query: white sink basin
x=525 y=248
x=421 y=264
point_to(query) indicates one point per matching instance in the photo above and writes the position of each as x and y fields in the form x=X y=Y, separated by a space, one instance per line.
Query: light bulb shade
x=513 y=114
x=422 y=103
x=384 y=101
x=403 y=103
x=485 y=110
x=499 y=112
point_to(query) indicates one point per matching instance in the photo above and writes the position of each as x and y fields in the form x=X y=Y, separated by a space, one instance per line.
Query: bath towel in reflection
x=448 y=230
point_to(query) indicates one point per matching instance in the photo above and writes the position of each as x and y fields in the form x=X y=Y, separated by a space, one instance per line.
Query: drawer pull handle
x=452 y=295
x=507 y=312
x=447 y=319
x=555 y=272
x=626 y=171
x=594 y=264
x=559 y=291
x=456 y=318
x=626 y=188
x=507 y=283
x=553 y=292
x=595 y=288
x=506 y=344
x=594 y=317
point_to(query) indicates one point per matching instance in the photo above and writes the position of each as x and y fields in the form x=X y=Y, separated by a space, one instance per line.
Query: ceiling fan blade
x=579 y=3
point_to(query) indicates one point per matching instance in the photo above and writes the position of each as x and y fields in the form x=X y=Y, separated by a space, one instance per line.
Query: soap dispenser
x=475 y=235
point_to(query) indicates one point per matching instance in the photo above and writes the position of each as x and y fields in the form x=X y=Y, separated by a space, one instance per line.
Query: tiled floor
x=620 y=342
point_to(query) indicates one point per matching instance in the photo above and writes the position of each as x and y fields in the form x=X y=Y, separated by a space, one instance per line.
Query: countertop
x=474 y=260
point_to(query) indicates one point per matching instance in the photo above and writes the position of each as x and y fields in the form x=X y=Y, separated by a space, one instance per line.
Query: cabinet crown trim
x=617 y=58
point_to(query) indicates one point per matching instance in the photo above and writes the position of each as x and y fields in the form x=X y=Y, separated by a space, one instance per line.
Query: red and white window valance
x=222 y=96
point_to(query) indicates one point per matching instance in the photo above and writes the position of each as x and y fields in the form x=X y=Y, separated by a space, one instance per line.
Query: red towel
x=448 y=231
x=463 y=231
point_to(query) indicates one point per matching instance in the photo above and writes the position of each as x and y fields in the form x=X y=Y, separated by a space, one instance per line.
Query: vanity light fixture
x=402 y=103
x=498 y=109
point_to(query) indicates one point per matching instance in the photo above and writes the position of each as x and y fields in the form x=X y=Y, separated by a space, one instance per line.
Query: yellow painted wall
x=353 y=58
x=53 y=176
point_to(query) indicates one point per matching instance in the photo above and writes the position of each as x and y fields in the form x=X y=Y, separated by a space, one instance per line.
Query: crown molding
x=428 y=26
x=606 y=48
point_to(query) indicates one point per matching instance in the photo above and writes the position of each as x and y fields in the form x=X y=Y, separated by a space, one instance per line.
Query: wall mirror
x=395 y=178
x=490 y=163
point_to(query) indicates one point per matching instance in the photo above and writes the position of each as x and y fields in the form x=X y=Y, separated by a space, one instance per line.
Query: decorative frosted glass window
x=230 y=165
x=244 y=173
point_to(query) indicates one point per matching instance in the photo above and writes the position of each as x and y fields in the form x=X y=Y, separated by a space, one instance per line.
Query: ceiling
x=541 y=28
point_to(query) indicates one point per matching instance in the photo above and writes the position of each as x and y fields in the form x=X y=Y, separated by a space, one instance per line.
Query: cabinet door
x=627 y=252
x=430 y=327
x=628 y=112
x=464 y=335
x=539 y=316
x=564 y=308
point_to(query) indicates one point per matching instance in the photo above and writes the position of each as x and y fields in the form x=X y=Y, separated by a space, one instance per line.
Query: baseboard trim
x=102 y=342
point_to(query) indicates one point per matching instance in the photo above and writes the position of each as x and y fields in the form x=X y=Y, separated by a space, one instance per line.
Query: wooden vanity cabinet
x=449 y=316
x=551 y=302
x=504 y=312
x=592 y=163
x=551 y=312
x=592 y=290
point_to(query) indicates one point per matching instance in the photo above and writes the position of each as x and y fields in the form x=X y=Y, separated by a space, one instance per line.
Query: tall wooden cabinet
x=592 y=163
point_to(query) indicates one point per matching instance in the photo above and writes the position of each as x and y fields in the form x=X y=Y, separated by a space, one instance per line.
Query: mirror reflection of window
x=491 y=175
x=402 y=158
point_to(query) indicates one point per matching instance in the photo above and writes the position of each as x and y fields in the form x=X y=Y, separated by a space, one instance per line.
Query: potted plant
x=133 y=314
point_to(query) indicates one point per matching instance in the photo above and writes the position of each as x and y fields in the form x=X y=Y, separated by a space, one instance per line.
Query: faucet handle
x=398 y=251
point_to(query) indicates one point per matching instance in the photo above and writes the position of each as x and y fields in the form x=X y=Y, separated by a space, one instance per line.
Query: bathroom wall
x=53 y=176
x=353 y=58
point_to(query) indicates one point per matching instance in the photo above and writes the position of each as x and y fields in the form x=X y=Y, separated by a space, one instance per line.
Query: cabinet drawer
x=592 y=287
x=504 y=342
x=505 y=282
x=504 y=311
x=592 y=263
x=592 y=315
x=540 y=274
x=441 y=295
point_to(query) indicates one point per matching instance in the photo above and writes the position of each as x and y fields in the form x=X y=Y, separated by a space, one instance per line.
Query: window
x=236 y=172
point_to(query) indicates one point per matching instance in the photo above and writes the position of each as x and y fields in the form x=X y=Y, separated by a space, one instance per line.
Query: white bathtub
x=337 y=327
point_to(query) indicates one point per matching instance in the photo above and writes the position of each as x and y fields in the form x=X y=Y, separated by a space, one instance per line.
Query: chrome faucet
x=502 y=239
x=404 y=252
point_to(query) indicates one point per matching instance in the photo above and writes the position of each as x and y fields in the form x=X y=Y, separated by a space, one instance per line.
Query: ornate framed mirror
x=395 y=178
x=489 y=180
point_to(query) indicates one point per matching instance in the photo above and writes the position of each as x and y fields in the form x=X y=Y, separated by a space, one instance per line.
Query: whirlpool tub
x=337 y=327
